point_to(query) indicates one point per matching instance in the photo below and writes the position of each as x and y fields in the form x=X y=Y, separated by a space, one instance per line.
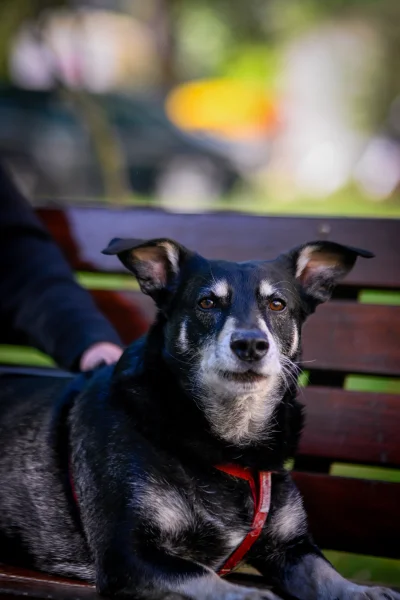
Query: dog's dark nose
x=249 y=345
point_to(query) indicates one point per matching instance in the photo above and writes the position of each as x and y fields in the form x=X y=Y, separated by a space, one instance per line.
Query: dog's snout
x=249 y=345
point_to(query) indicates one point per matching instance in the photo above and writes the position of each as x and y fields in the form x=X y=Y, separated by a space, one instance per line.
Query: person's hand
x=102 y=352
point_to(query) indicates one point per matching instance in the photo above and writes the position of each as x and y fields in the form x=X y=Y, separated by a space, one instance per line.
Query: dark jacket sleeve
x=39 y=298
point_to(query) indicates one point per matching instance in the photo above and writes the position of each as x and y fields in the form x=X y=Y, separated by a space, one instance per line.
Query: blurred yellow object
x=226 y=107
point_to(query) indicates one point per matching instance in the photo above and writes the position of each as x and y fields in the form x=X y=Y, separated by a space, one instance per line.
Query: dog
x=158 y=475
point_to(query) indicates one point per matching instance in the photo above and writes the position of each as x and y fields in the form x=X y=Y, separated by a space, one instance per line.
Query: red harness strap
x=262 y=499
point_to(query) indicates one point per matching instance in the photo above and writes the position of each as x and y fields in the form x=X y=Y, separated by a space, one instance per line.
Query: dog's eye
x=206 y=303
x=276 y=304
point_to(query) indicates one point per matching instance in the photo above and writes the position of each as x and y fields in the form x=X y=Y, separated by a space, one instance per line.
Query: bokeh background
x=269 y=106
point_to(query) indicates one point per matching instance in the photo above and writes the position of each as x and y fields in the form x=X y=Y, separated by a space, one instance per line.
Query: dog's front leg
x=128 y=563
x=152 y=573
x=307 y=575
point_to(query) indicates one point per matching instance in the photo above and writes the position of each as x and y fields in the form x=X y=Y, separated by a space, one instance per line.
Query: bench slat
x=17 y=582
x=353 y=337
x=352 y=515
x=351 y=426
x=83 y=232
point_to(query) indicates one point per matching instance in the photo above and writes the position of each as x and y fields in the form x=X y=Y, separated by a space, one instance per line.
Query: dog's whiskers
x=290 y=371
x=303 y=362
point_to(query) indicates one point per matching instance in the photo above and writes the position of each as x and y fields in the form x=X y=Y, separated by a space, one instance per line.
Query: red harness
x=261 y=498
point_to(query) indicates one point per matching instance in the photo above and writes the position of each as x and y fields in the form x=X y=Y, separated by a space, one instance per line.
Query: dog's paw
x=238 y=592
x=264 y=595
x=374 y=593
x=212 y=587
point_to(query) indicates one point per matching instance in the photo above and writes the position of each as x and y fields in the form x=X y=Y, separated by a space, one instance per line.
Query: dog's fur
x=213 y=382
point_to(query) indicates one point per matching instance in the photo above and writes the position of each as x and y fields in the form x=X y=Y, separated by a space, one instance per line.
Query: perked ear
x=320 y=265
x=155 y=263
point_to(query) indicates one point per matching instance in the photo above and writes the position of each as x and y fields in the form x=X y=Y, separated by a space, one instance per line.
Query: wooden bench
x=356 y=335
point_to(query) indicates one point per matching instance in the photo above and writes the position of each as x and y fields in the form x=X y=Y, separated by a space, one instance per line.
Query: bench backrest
x=355 y=335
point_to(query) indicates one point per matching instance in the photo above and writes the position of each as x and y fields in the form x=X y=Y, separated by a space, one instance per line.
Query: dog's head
x=232 y=331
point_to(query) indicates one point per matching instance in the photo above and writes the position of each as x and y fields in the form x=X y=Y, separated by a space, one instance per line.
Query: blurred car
x=46 y=141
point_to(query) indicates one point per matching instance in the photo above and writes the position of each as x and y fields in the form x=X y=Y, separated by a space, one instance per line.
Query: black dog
x=145 y=481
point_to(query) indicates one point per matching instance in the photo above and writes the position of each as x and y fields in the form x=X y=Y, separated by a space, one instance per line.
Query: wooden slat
x=353 y=337
x=352 y=515
x=351 y=426
x=17 y=582
x=83 y=232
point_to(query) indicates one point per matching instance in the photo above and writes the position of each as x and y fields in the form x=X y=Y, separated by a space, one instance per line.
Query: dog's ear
x=319 y=266
x=155 y=263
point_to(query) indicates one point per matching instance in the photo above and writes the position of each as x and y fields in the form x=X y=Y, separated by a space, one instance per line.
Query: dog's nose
x=249 y=345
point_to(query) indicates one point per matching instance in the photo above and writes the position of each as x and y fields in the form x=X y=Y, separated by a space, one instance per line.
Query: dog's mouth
x=244 y=377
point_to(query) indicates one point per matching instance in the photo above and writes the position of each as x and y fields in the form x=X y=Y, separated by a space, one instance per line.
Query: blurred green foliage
x=366 y=568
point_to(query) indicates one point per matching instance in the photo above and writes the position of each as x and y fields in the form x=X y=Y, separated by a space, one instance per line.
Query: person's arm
x=39 y=297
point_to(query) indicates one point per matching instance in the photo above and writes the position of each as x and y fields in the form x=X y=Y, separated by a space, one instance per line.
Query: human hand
x=102 y=352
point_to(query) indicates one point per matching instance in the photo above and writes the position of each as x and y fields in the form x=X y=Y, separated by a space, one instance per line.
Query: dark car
x=50 y=141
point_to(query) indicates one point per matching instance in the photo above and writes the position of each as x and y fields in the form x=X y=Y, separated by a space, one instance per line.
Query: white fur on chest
x=165 y=508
